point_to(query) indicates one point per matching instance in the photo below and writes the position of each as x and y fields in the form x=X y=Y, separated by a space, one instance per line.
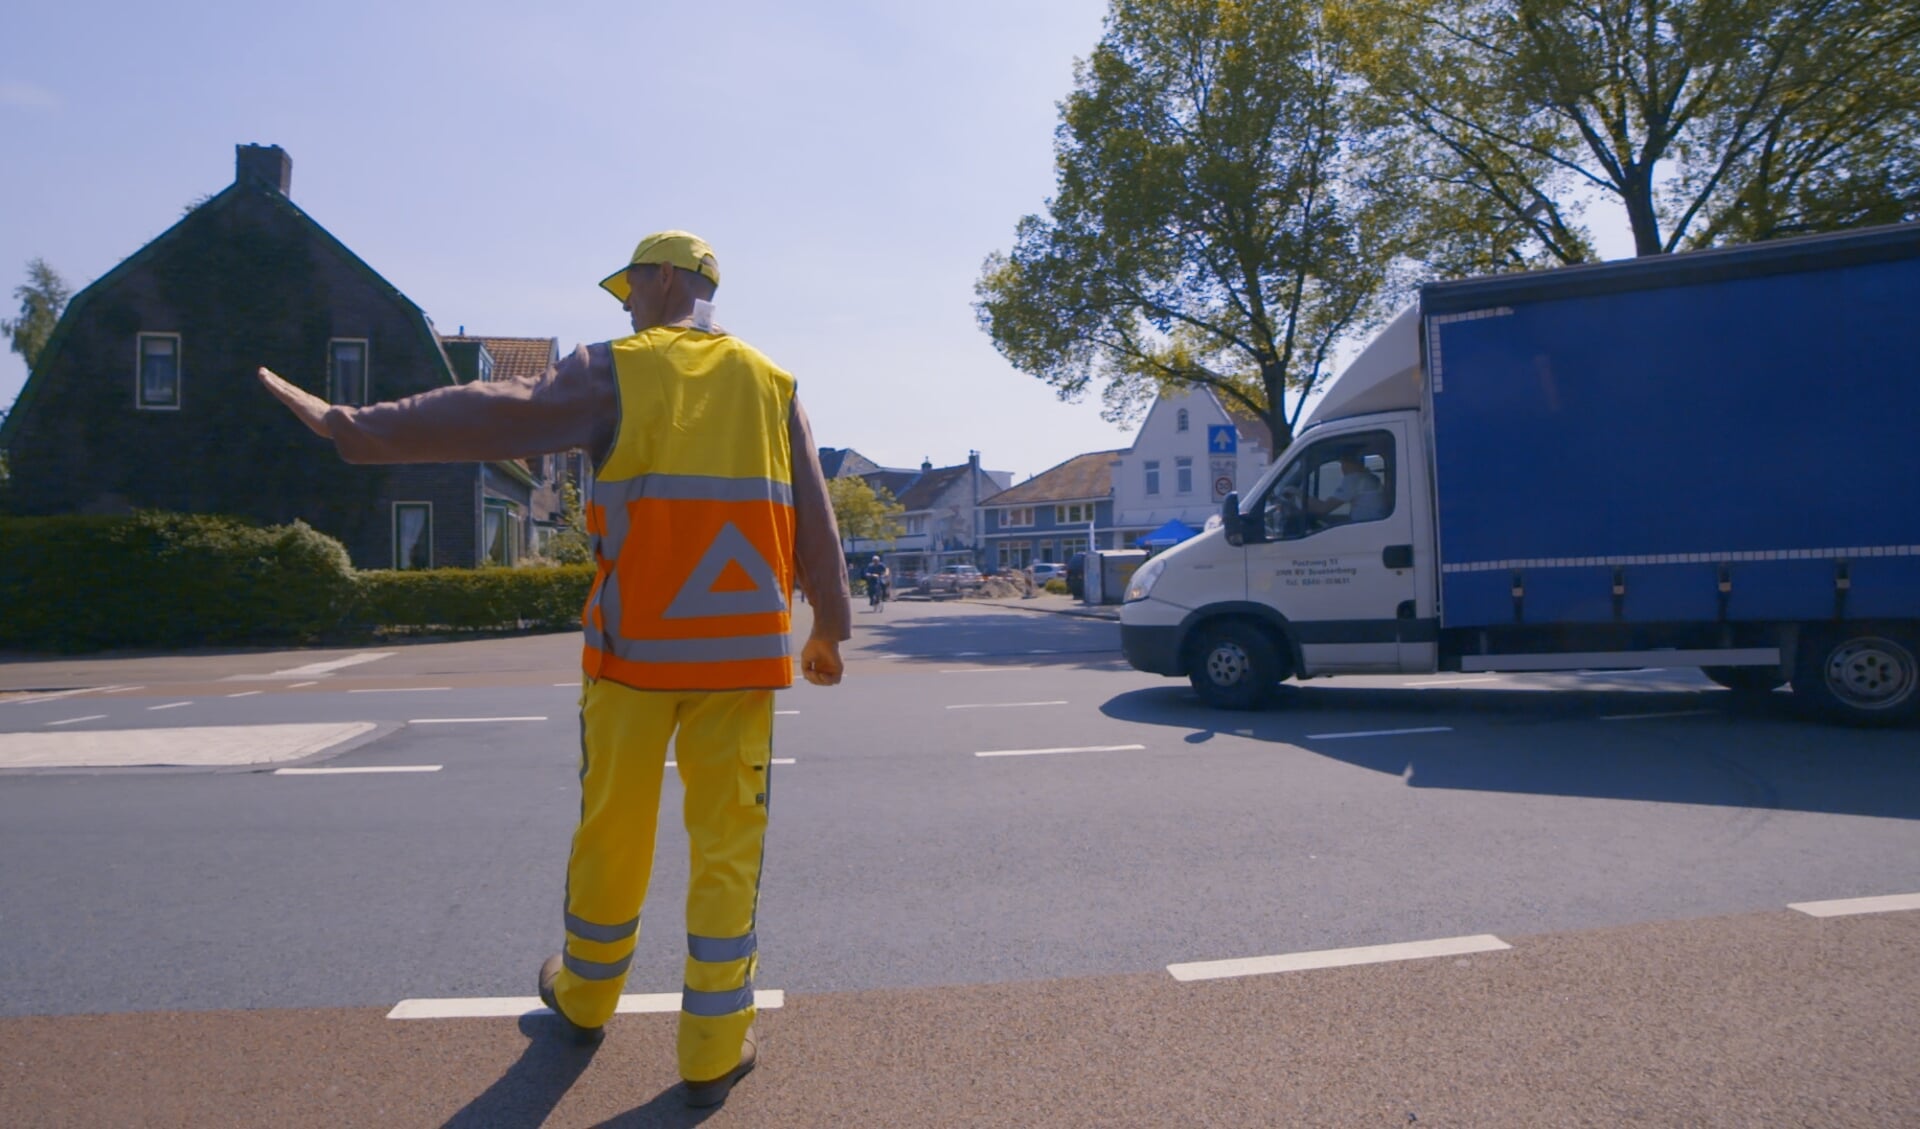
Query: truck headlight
x=1144 y=580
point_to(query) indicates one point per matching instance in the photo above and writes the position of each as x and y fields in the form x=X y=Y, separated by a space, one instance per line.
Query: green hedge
x=166 y=580
x=177 y=580
x=474 y=599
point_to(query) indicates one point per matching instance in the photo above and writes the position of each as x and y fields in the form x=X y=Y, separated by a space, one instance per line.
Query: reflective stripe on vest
x=695 y=569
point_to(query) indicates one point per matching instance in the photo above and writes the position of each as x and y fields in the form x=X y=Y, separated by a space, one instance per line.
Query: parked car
x=1076 y=574
x=1044 y=571
x=955 y=578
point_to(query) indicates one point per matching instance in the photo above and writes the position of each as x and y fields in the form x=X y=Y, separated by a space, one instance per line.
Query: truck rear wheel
x=1745 y=680
x=1862 y=676
x=1235 y=665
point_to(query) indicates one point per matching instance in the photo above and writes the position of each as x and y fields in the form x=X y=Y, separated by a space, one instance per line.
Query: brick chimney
x=263 y=164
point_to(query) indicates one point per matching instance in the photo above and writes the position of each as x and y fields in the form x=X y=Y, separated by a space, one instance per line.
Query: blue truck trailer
x=1709 y=459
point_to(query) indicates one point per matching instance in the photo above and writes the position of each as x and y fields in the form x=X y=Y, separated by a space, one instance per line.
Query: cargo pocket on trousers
x=755 y=764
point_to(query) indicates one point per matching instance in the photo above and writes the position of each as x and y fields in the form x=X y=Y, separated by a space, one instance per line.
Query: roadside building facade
x=1054 y=514
x=1189 y=454
x=145 y=395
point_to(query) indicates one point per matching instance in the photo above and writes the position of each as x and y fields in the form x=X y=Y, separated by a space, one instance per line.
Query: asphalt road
x=905 y=866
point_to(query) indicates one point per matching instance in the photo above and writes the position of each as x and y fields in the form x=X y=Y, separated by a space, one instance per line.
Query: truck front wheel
x=1235 y=665
x=1862 y=676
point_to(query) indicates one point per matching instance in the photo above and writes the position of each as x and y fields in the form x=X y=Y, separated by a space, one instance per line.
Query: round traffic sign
x=1223 y=486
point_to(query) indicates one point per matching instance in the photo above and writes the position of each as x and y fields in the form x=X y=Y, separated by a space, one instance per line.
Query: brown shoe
x=581 y=1036
x=714 y=1091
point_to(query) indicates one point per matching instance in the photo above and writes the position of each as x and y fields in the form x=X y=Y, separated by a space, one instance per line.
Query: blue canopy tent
x=1170 y=534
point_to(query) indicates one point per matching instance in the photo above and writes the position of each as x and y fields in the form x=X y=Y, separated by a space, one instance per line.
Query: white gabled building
x=1188 y=455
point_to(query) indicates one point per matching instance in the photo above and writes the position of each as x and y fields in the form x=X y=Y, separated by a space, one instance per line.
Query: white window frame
x=513 y=532
x=1183 y=476
x=366 y=369
x=1010 y=552
x=140 y=377
x=1016 y=517
x=916 y=526
x=1180 y=420
x=1071 y=545
x=394 y=523
x=483 y=366
x=1073 y=513
x=1152 y=467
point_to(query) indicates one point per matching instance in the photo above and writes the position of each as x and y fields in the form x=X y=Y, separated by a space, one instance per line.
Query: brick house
x=145 y=395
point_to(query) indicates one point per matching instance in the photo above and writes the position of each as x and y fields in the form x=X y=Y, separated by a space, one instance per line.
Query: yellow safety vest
x=692 y=519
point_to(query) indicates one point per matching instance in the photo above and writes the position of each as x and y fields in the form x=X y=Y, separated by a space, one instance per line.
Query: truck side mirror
x=1230 y=521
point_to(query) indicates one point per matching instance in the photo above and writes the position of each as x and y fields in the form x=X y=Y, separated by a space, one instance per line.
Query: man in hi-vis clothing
x=708 y=498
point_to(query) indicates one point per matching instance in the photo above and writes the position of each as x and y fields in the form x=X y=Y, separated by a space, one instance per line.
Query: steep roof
x=894 y=482
x=845 y=462
x=924 y=493
x=1079 y=478
x=515 y=357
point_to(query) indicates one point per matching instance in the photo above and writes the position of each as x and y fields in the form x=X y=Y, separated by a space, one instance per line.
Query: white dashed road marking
x=1003 y=705
x=1651 y=716
x=400 y=690
x=77 y=720
x=122 y=689
x=776 y=760
x=327 y=667
x=298 y=685
x=984 y=669
x=56 y=695
x=509 y=1007
x=467 y=720
x=171 y=705
x=1847 y=907
x=1336 y=958
x=352 y=770
x=246 y=693
x=1049 y=752
x=1379 y=733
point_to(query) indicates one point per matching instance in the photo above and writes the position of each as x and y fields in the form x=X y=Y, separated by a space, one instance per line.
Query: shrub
x=474 y=599
x=1058 y=587
x=154 y=579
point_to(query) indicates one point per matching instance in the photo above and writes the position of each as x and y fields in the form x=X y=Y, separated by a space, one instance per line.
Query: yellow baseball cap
x=683 y=249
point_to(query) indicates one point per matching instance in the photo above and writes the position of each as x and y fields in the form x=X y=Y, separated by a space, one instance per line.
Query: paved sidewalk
x=1764 y=1019
x=1058 y=605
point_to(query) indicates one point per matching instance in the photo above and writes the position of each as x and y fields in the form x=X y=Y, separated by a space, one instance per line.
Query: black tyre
x=1753 y=680
x=1860 y=675
x=1234 y=665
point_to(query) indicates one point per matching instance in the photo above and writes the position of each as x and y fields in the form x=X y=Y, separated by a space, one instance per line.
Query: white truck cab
x=1324 y=568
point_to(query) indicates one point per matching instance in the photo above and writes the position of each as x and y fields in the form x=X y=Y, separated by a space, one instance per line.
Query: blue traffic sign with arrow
x=1222 y=439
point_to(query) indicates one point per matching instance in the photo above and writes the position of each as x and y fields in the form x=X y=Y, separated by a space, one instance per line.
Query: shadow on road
x=530 y=1089
x=1742 y=753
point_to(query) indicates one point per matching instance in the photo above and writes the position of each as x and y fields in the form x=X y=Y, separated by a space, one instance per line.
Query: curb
x=1079 y=613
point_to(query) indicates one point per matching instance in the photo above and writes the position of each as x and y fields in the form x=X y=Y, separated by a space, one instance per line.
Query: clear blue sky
x=851 y=162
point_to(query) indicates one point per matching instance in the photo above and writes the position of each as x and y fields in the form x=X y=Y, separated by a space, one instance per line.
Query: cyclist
x=877 y=576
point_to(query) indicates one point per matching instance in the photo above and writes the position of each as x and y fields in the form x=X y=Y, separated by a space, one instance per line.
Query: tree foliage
x=864 y=513
x=1214 y=223
x=570 y=546
x=42 y=297
x=1706 y=121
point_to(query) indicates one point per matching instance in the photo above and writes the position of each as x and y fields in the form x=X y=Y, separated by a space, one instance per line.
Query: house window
x=916 y=525
x=486 y=364
x=1016 y=554
x=1180 y=421
x=1017 y=516
x=347 y=371
x=413 y=535
x=1080 y=513
x=158 y=380
x=1183 y=476
x=1153 y=476
x=1071 y=545
x=499 y=532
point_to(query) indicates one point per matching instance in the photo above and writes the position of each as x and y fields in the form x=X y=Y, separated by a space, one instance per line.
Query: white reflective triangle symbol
x=697 y=598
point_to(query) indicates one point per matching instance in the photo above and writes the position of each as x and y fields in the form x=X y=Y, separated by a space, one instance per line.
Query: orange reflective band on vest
x=695 y=569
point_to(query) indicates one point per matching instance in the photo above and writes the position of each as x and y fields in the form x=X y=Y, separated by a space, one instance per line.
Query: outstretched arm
x=572 y=404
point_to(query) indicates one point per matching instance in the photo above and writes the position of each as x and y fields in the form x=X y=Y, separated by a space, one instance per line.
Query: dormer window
x=1180 y=420
x=486 y=365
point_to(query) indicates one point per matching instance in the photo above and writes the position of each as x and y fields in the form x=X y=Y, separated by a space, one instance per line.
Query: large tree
x=864 y=513
x=1704 y=121
x=42 y=297
x=1212 y=224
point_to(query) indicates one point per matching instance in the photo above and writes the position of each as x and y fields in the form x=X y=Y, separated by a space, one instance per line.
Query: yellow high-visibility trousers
x=723 y=744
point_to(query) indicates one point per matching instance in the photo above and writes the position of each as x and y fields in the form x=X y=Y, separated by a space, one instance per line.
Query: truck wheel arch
x=1262 y=616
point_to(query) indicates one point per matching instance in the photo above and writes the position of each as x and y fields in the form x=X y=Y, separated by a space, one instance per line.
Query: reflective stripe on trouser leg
x=623 y=752
x=724 y=749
